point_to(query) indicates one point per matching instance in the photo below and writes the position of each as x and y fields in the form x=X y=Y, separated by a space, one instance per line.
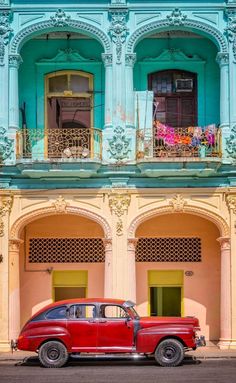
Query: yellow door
x=165 y=292
x=69 y=284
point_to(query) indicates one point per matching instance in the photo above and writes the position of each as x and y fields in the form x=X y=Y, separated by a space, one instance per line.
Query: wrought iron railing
x=164 y=141
x=55 y=144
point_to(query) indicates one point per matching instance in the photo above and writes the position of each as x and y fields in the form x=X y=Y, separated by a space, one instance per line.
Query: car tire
x=53 y=354
x=169 y=353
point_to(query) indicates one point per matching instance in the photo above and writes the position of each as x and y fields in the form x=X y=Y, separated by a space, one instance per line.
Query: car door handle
x=92 y=321
x=103 y=321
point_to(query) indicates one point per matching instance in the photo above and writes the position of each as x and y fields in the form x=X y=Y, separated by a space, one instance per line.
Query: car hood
x=156 y=321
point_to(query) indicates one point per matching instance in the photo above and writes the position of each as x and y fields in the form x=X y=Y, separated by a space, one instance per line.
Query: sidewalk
x=210 y=352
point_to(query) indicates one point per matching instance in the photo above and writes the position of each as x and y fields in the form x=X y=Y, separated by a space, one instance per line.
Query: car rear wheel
x=53 y=354
x=169 y=353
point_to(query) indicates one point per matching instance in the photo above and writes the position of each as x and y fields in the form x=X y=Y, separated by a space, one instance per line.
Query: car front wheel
x=169 y=353
x=53 y=354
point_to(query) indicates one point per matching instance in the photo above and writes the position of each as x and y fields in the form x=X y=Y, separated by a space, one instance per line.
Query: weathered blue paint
x=118 y=39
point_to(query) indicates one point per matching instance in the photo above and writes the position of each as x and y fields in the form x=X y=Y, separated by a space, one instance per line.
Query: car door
x=82 y=326
x=115 y=329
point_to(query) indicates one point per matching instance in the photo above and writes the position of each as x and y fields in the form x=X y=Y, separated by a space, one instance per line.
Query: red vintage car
x=106 y=326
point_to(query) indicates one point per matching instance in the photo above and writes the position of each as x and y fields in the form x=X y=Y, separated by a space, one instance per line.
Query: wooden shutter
x=172 y=111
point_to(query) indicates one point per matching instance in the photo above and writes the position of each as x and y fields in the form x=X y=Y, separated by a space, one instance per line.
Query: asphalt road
x=119 y=371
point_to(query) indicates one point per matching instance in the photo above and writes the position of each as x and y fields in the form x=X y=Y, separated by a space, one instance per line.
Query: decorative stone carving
x=119 y=227
x=60 y=205
x=6 y=145
x=60 y=19
x=231 y=143
x=130 y=59
x=176 y=18
x=231 y=30
x=132 y=243
x=5 y=208
x=178 y=203
x=119 y=144
x=222 y=59
x=15 y=61
x=47 y=24
x=107 y=59
x=5 y=32
x=107 y=244
x=118 y=31
x=65 y=56
x=231 y=202
x=224 y=243
x=119 y=203
x=160 y=24
x=14 y=244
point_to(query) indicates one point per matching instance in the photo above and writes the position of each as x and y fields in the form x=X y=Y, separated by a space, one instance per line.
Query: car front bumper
x=200 y=341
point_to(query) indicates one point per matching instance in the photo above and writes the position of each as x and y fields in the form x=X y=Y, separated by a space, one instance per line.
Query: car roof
x=77 y=301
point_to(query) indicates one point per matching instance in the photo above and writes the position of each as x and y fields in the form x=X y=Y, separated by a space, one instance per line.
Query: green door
x=165 y=293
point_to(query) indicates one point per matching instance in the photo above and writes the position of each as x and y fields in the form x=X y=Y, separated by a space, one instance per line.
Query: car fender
x=33 y=338
x=148 y=338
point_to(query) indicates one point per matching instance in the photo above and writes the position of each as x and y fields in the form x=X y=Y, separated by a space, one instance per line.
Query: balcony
x=59 y=145
x=164 y=143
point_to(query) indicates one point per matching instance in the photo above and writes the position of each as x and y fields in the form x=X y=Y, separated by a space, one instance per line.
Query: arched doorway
x=69 y=113
x=63 y=257
x=178 y=269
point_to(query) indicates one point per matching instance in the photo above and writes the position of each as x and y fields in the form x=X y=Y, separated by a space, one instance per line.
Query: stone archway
x=59 y=22
x=177 y=20
x=222 y=278
x=58 y=208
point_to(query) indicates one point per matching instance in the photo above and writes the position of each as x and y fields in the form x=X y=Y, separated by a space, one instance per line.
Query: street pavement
x=119 y=370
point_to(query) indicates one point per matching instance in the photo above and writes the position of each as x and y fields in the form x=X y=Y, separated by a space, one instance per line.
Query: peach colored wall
x=36 y=285
x=202 y=290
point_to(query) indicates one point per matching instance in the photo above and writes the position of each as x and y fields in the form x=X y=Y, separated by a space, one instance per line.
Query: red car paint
x=100 y=334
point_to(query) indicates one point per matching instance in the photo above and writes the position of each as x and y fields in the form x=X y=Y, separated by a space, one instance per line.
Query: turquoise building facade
x=121 y=113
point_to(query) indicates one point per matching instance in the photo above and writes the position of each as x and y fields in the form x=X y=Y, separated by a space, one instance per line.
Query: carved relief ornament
x=231 y=202
x=5 y=32
x=119 y=144
x=118 y=30
x=231 y=30
x=5 y=208
x=119 y=203
x=178 y=203
x=60 y=205
x=231 y=143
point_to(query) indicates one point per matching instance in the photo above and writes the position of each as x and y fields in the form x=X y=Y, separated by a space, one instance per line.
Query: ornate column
x=14 y=288
x=14 y=63
x=231 y=201
x=107 y=59
x=225 y=294
x=132 y=242
x=108 y=280
x=122 y=264
x=5 y=33
x=223 y=61
x=129 y=66
x=5 y=209
x=231 y=34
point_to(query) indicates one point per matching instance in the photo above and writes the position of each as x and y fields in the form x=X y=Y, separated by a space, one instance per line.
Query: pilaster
x=231 y=201
x=231 y=34
x=5 y=209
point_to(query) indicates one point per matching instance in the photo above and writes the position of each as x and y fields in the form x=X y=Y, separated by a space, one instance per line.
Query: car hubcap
x=169 y=352
x=53 y=354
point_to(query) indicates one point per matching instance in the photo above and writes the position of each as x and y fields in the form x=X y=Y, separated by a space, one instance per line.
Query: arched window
x=69 y=113
x=175 y=97
x=69 y=99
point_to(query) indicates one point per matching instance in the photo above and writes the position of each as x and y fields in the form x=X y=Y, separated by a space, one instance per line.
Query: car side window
x=82 y=311
x=57 y=313
x=113 y=312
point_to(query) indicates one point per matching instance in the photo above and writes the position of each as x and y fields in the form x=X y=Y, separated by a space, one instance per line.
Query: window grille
x=168 y=250
x=66 y=250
